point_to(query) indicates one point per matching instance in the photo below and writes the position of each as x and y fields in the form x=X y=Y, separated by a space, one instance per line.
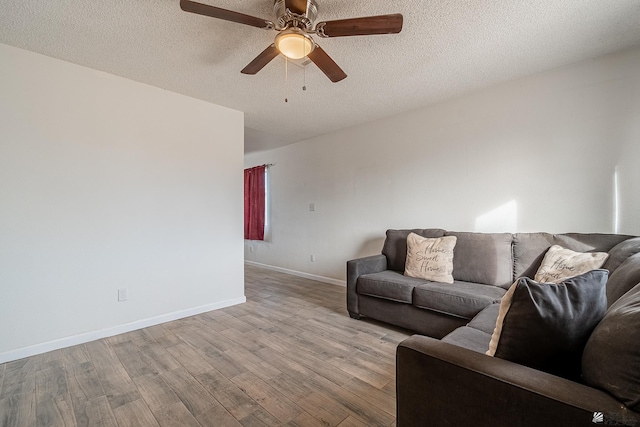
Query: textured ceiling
x=446 y=48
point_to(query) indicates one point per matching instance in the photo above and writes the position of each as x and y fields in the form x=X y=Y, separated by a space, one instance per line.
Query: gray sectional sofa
x=443 y=375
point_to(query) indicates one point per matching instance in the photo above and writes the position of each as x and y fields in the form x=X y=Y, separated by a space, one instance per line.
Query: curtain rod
x=266 y=165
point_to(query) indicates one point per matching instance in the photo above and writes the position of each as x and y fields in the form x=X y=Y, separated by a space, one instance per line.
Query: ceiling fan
x=295 y=24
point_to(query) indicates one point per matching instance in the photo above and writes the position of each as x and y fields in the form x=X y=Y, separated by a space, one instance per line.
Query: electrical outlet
x=123 y=294
x=312 y=207
x=313 y=258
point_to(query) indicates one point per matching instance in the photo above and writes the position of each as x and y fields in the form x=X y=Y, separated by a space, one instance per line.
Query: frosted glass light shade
x=293 y=44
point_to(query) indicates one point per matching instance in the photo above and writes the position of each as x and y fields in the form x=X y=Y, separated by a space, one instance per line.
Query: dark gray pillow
x=611 y=359
x=548 y=325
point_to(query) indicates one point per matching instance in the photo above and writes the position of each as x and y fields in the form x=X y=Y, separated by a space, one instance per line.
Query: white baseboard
x=323 y=279
x=32 y=350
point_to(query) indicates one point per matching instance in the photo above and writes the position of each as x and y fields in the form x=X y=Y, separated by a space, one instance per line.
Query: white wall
x=628 y=168
x=106 y=183
x=535 y=154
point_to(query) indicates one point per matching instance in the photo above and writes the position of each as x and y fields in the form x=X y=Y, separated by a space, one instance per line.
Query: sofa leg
x=355 y=315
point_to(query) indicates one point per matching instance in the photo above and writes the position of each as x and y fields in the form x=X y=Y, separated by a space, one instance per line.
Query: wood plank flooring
x=290 y=356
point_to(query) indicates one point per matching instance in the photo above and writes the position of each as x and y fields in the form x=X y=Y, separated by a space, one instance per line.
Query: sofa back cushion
x=395 y=245
x=483 y=258
x=623 y=278
x=611 y=358
x=530 y=248
x=620 y=252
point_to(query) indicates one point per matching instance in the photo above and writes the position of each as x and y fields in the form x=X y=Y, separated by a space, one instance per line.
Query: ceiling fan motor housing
x=288 y=18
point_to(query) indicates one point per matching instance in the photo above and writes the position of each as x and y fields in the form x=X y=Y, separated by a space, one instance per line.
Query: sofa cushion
x=528 y=251
x=462 y=299
x=486 y=320
x=529 y=248
x=590 y=242
x=620 y=252
x=471 y=338
x=389 y=285
x=625 y=277
x=560 y=263
x=546 y=325
x=483 y=258
x=611 y=359
x=395 y=245
x=430 y=258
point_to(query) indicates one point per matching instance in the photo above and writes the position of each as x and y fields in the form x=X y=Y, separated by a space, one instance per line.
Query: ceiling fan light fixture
x=294 y=44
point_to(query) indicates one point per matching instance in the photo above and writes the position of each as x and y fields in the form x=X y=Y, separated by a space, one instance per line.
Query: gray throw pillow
x=548 y=325
x=611 y=359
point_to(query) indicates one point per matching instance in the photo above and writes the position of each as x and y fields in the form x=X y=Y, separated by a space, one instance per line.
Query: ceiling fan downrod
x=300 y=14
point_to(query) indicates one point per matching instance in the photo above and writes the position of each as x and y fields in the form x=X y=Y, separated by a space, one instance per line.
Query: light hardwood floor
x=289 y=356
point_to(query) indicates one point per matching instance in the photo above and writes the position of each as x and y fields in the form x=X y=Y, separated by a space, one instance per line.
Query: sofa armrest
x=356 y=268
x=441 y=384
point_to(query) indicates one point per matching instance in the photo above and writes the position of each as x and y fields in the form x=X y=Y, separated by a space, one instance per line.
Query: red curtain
x=254 y=203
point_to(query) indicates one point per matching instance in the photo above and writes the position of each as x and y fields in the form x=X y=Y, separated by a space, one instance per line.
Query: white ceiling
x=446 y=48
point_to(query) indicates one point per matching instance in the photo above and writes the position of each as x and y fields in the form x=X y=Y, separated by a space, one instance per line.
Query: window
x=254 y=202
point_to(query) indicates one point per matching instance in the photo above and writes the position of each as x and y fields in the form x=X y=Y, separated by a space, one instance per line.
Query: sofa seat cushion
x=462 y=299
x=388 y=284
x=485 y=321
x=470 y=338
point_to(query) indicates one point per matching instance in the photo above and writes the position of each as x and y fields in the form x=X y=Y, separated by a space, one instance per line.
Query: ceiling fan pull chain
x=304 y=68
x=286 y=79
x=304 y=78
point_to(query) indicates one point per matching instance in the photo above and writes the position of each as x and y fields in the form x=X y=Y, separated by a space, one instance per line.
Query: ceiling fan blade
x=296 y=6
x=381 y=24
x=261 y=60
x=327 y=65
x=227 y=15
